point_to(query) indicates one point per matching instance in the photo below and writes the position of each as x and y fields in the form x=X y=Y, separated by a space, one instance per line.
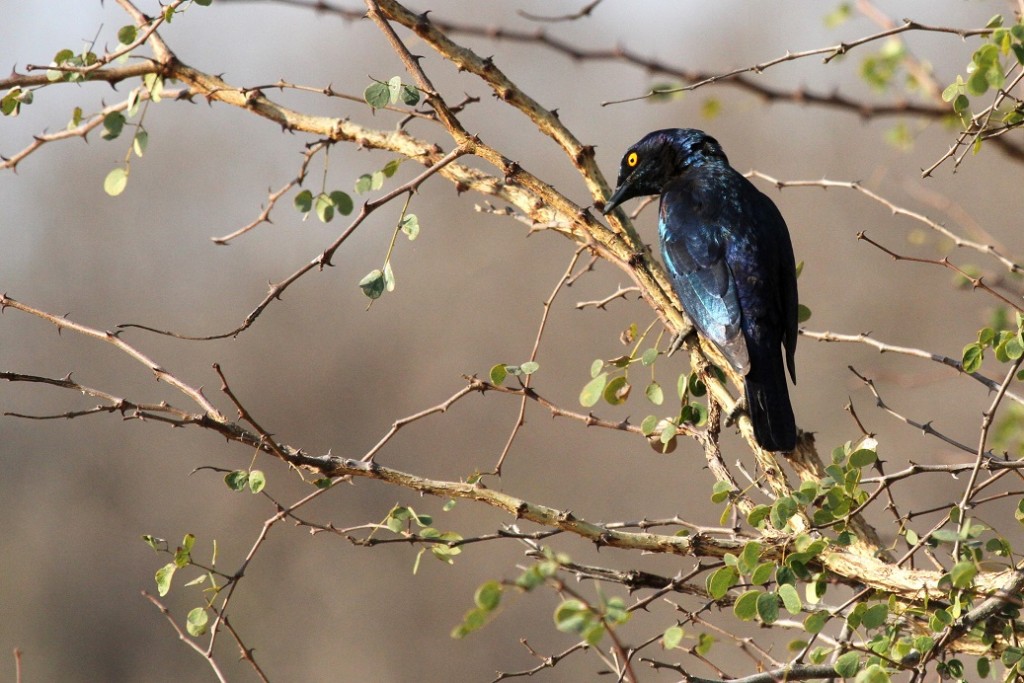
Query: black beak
x=620 y=195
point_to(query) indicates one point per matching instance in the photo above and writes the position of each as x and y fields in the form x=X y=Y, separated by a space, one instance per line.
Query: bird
x=730 y=260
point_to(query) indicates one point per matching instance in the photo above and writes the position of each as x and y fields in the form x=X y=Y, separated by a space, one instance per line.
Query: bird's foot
x=739 y=407
x=675 y=344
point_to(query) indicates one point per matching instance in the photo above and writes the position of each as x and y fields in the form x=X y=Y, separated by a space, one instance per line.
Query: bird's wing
x=694 y=249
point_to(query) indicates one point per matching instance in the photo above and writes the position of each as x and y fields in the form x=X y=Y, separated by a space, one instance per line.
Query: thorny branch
x=545 y=207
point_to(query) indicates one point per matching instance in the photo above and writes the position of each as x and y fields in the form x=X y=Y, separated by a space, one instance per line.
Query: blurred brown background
x=322 y=373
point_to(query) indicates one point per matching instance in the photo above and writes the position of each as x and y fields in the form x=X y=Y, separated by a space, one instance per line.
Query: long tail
x=768 y=403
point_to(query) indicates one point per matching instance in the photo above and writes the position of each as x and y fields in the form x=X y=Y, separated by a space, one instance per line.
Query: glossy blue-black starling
x=730 y=259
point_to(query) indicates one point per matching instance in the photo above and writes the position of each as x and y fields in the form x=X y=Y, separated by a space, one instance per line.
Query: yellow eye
x=632 y=159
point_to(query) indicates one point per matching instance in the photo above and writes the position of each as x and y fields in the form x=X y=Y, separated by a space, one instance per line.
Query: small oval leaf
x=116 y=181
x=592 y=391
x=377 y=95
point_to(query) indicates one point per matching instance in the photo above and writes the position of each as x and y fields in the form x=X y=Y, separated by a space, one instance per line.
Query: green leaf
x=875 y=615
x=666 y=92
x=155 y=85
x=711 y=107
x=984 y=667
x=616 y=392
x=768 y=607
x=593 y=389
x=474 y=620
x=803 y=314
x=945 y=536
x=324 y=208
x=1012 y=655
x=649 y=424
x=721 y=581
x=873 y=674
x=621 y=361
x=668 y=433
x=363 y=183
x=529 y=367
x=60 y=59
x=409 y=95
x=389 y=277
x=394 y=88
x=815 y=622
x=182 y=557
x=749 y=556
x=498 y=374
x=962 y=574
x=488 y=596
x=704 y=643
x=153 y=542
x=203 y=3
x=196 y=621
x=377 y=95
x=695 y=414
x=649 y=357
x=596 y=367
x=342 y=202
x=11 y=102
x=572 y=616
x=373 y=283
x=762 y=573
x=615 y=611
x=746 y=605
x=140 y=141
x=391 y=167
x=977 y=83
x=396 y=519
x=790 y=598
x=116 y=181
x=758 y=515
x=236 y=480
x=1018 y=51
x=782 y=510
x=113 y=124
x=304 y=201
x=695 y=386
x=446 y=553
x=672 y=637
x=163 y=578
x=1013 y=348
x=720 y=491
x=126 y=34
x=838 y=15
x=257 y=481
x=410 y=226
x=654 y=393
x=863 y=457
x=681 y=387
x=847 y=664
x=972 y=357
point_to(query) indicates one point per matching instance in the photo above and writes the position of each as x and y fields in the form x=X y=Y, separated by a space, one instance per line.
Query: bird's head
x=658 y=158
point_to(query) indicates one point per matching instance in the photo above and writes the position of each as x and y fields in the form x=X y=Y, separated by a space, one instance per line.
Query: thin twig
x=322 y=260
x=957 y=240
x=520 y=418
x=986 y=423
x=883 y=347
x=183 y=637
